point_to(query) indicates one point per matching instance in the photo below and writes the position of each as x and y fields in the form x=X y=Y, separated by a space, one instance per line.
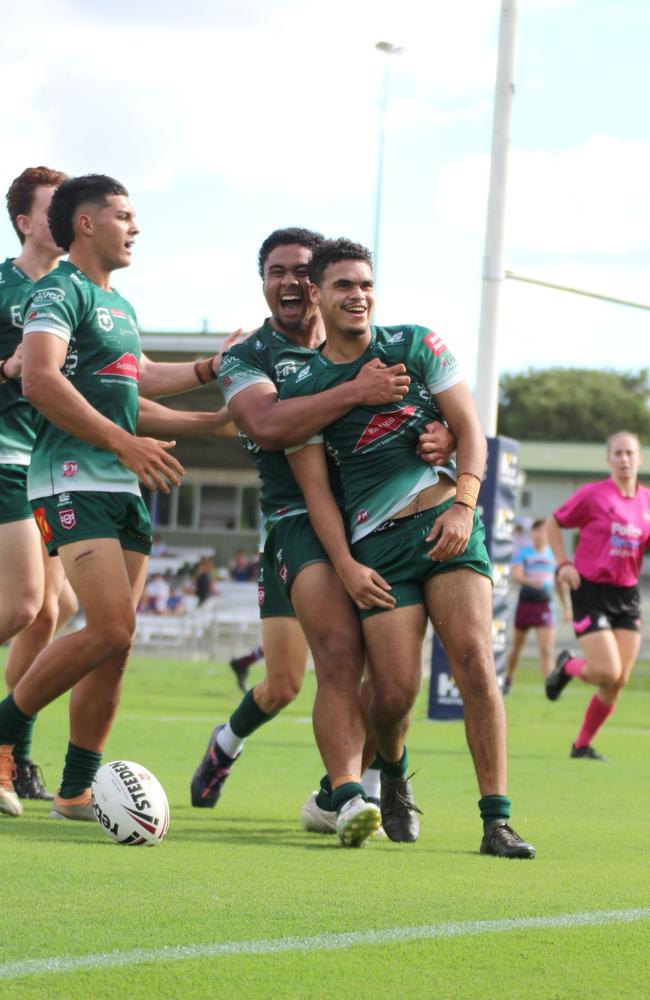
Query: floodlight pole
x=487 y=374
x=388 y=50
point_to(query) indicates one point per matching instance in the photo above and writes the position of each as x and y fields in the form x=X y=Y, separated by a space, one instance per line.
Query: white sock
x=230 y=742
x=371 y=781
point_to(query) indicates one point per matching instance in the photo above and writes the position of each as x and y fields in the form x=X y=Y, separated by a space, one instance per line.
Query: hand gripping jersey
x=17 y=430
x=374 y=446
x=102 y=363
x=267 y=357
x=614 y=531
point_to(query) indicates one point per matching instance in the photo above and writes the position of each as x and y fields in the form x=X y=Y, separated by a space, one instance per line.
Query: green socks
x=397 y=770
x=23 y=745
x=79 y=770
x=324 y=797
x=12 y=721
x=494 y=807
x=247 y=717
x=345 y=792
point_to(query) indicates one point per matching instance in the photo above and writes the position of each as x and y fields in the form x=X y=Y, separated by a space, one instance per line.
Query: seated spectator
x=204 y=583
x=176 y=602
x=158 y=546
x=243 y=568
x=156 y=593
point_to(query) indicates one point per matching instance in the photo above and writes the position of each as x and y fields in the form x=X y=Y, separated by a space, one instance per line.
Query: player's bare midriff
x=431 y=497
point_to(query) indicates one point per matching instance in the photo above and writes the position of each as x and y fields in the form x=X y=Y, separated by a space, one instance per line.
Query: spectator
x=176 y=602
x=204 y=585
x=243 y=568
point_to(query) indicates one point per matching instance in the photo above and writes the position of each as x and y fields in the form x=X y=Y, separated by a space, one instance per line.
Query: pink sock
x=595 y=715
x=574 y=667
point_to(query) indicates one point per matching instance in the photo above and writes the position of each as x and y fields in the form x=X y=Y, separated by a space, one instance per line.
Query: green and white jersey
x=102 y=363
x=268 y=358
x=17 y=430
x=373 y=446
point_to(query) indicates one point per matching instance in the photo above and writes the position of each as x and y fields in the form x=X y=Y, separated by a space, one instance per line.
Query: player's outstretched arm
x=366 y=587
x=154 y=418
x=45 y=386
x=166 y=378
x=451 y=531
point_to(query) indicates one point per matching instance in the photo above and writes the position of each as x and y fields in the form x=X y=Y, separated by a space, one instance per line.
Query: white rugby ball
x=130 y=803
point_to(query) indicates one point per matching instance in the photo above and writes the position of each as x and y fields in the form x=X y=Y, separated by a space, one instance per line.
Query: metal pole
x=388 y=50
x=487 y=375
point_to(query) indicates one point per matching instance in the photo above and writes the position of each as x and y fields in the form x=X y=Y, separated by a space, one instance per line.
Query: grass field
x=239 y=903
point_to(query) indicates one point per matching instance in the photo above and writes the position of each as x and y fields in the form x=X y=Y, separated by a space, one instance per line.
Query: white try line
x=319 y=942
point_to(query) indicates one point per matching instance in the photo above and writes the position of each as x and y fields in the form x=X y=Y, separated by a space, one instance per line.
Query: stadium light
x=388 y=49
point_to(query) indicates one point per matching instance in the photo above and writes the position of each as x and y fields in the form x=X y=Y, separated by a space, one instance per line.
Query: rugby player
x=30 y=584
x=83 y=370
x=613 y=520
x=296 y=579
x=416 y=542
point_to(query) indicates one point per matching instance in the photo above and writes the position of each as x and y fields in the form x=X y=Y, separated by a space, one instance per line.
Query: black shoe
x=507 y=685
x=241 y=673
x=29 y=782
x=398 y=810
x=502 y=841
x=584 y=753
x=210 y=775
x=557 y=680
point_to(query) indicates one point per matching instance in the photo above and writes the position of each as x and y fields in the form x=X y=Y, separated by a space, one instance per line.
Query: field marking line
x=320 y=942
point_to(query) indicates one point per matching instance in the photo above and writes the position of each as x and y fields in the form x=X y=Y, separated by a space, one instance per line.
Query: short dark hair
x=73 y=193
x=20 y=196
x=284 y=238
x=331 y=252
x=539 y=523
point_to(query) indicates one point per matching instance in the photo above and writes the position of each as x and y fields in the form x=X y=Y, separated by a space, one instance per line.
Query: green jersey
x=268 y=358
x=373 y=446
x=17 y=431
x=102 y=363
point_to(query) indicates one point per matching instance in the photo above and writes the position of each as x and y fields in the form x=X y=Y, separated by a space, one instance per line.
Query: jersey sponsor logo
x=382 y=424
x=63 y=498
x=397 y=338
x=16 y=316
x=261 y=594
x=227 y=381
x=303 y=373
x=70 y=468
x=67 y=518
x=434 y=343
x=284 y=573
x=43 y=296
x=626 y=530
x=43 y=526
x=127 y=366
x=119 y=313
x=285 y=369
x=104 y=318
x=362 y=516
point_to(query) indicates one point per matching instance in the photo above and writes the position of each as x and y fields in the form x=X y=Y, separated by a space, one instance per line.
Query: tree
x=573 y=404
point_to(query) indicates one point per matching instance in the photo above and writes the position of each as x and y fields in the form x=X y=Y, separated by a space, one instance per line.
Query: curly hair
x=73 y=193
x=285 y=237
x=20 y=196
x=331 y=252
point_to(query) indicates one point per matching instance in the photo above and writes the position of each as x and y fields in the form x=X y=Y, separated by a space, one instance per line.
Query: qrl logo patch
x=67 y=518
x=69 y=469
x=104 y=318
x=260 y=595
x=43 y=526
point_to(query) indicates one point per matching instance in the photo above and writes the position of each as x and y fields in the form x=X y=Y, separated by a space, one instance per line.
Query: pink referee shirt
x=614 y=531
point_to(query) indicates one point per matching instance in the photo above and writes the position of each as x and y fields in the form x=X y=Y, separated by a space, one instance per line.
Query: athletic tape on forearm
x=467 y=488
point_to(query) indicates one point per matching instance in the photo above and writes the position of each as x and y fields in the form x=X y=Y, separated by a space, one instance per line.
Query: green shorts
x=74 y=517
x=291 y=544
x=14 y=505
x=399 y=553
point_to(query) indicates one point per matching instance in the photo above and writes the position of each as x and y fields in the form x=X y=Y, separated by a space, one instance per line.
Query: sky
x=227 y=119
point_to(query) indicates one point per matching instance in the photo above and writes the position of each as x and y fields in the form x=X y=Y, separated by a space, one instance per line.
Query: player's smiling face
x=346 y=297
x=286 y=286
x=115 y=231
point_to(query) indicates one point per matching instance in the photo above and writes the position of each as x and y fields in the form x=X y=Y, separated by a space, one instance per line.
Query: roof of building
x=568 y=458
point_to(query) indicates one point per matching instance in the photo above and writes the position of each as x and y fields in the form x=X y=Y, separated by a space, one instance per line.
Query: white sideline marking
x=320 y=942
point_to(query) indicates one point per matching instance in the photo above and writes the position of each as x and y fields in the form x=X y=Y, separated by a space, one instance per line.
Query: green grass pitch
x=245 y=876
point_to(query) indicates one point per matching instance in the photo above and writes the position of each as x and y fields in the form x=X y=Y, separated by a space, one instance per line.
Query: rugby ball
x=130 y=804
